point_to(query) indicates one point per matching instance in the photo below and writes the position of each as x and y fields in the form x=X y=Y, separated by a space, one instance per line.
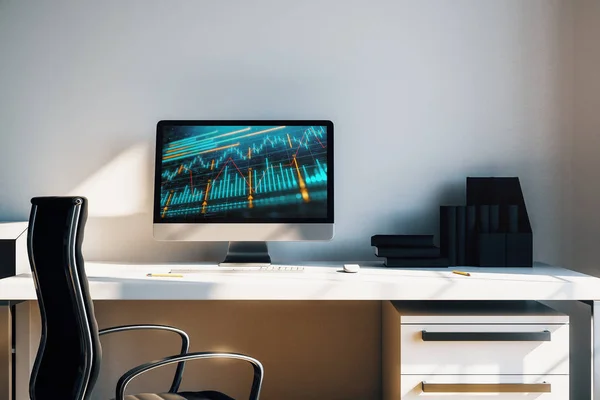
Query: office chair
x=68 y=360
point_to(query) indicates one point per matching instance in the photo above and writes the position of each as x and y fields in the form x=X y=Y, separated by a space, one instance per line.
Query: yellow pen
x=164 y=275
x=461 y=273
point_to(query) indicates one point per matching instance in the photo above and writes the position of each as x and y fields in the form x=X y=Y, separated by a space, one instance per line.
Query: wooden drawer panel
x=479 y=387
x=484 y=349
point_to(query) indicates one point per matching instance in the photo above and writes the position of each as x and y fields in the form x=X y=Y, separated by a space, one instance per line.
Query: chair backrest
x=69 y=356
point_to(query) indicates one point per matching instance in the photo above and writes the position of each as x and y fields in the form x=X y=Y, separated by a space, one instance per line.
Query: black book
x=513 y=218
x=495 y=218
x=461 y=245
x=484 y=218
x=416 y=262
x=402 y=240
x=448 y=233
x=471 y=233
x=408 y=252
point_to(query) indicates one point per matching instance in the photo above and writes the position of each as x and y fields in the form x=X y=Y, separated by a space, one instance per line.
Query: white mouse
x=351 y=268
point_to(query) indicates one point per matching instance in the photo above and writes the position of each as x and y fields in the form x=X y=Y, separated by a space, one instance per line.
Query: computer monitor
x=244 y=182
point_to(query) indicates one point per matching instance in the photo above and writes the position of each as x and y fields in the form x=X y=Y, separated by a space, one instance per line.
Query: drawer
x=484 y=349
x=478 y=387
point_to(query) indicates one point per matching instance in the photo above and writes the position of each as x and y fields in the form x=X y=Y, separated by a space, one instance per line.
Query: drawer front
x=484 y=349
x=478 y=387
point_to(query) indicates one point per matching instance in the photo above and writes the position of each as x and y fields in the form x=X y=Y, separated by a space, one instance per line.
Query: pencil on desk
x=164 y=275
x=461 y=273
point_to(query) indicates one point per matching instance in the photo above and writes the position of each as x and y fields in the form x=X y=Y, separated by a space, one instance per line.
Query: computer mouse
x=351 y=268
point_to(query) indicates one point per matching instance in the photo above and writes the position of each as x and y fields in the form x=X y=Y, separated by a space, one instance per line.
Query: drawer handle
x=485 y=387
x=543 y=336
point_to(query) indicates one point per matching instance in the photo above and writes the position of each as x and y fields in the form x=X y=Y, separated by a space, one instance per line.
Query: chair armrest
x=185 y=345
x=134 y=372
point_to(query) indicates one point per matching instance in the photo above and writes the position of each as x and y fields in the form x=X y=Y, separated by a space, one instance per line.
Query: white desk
x=323 y=281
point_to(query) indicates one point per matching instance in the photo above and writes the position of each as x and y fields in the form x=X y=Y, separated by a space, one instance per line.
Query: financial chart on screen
x=249 y=172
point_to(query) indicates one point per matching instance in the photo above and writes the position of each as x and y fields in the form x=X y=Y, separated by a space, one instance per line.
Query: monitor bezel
x=329 y=219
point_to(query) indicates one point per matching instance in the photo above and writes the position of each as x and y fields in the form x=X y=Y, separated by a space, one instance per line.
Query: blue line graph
x=244 y=171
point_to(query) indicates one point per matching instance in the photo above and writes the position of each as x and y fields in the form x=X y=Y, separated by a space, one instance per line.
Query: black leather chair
x=69 y=356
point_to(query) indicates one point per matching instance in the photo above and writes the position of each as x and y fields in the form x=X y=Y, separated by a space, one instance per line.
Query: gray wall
x=423 y=93
x=586 y=141
x=584 y=166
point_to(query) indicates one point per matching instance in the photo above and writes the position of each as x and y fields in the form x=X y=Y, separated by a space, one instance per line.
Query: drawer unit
x=483 y=387
x=475 y=349
x=484 y=349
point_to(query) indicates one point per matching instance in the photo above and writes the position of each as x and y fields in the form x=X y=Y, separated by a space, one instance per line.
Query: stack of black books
x=491 y=230
x=408 y=251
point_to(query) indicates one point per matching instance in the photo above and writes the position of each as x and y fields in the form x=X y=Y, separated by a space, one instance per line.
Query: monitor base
x=247 y=254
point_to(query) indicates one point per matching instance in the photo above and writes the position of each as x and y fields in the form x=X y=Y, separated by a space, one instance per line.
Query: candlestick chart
x=244 y=172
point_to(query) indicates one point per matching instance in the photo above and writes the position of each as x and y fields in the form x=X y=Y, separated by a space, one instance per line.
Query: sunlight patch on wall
x=121 y=187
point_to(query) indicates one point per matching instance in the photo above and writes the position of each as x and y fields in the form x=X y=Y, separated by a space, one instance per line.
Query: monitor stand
x=247 y=254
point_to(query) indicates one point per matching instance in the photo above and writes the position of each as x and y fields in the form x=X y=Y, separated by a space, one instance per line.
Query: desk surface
x=324 y=281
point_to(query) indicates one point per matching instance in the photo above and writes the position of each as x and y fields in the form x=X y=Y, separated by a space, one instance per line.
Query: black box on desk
x=519 y=249
x=492 y=250
x=503 y=232
x=13 y=249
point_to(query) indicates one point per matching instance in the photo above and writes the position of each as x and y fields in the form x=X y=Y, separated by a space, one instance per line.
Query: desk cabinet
x=456 y=350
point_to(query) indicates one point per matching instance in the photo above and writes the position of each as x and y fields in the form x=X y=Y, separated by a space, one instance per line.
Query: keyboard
x=270 y=268
x=281 y=268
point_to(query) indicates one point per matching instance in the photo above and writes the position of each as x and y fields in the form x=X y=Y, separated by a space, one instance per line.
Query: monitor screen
x=244 y=171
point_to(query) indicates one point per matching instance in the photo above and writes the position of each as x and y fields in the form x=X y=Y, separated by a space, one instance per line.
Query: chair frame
x=85 y=390
x=185 y=345
x=135 y=372
x=184 y=356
